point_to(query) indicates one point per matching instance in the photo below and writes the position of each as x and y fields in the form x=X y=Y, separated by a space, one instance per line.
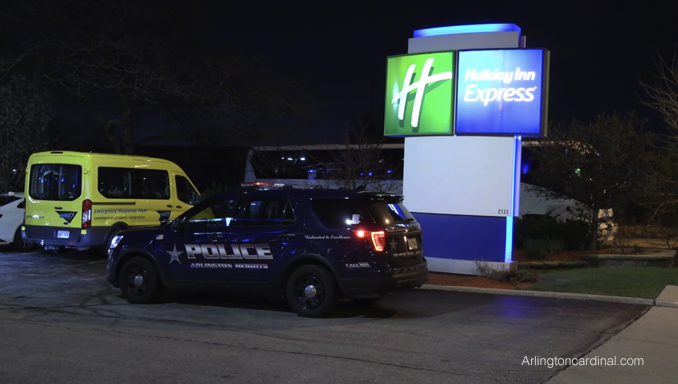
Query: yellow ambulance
x=81 y=200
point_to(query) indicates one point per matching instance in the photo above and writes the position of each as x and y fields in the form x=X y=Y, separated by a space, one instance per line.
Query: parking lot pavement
x=52 y=283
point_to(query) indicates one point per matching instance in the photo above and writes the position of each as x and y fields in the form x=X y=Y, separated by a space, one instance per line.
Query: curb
x=556 y=295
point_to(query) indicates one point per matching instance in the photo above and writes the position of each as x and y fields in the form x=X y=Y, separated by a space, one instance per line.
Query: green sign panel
x=420 y=94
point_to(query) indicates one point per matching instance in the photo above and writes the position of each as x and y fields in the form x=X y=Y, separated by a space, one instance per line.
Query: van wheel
x=139 y=281
x=311 y=291
x=19 y=245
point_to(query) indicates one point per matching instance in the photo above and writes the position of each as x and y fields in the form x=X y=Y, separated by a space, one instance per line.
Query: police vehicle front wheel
x=139 y=281
x=311 y=291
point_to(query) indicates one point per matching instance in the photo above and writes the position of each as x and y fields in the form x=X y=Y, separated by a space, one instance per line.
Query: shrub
x=540 y=248
x=521 y=276
x=513 y=276
x=572 y=233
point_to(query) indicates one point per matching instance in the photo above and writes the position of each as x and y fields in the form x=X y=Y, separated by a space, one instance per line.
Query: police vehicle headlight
x=115 y=241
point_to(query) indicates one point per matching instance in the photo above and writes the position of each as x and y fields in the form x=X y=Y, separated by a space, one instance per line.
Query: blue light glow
x=508 y=253
x=459 y=29
x=515 y=198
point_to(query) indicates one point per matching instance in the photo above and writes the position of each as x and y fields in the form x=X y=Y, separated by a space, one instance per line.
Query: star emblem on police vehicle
x=393 y=245
x=175 y=254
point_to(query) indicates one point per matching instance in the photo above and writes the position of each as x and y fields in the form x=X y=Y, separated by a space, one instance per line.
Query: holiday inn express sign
x=410 y=79
x=494 y=92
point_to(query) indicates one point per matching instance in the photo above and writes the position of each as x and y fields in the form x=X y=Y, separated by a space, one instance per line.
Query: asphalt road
x=61 y=322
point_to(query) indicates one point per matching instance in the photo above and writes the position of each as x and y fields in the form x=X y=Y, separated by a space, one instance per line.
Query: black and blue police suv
x=312 y=246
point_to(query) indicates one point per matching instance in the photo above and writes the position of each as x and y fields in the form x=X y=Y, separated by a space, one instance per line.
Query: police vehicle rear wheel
x=139 y=282
x=311 y=291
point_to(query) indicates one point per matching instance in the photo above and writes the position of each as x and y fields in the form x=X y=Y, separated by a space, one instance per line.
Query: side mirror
x=178 y=224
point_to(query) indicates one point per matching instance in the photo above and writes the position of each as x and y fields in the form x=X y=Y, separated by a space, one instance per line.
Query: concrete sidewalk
x=644 y=352
x=651 y=343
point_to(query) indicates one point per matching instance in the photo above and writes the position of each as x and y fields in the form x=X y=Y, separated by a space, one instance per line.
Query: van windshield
x=62 y=182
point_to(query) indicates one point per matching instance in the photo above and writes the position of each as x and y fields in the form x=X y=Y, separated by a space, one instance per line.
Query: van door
x=186 y=194
x=54 y=201
x=153 y=197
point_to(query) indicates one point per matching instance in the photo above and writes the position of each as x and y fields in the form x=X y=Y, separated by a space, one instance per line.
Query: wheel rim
x=310 y=291
x=137 y=281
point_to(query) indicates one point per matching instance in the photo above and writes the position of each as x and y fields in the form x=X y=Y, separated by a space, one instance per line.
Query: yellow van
x=81 y=200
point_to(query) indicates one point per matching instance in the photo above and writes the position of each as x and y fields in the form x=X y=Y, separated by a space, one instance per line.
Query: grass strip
x=645 y=282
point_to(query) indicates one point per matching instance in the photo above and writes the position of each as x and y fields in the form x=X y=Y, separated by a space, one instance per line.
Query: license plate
x=412 y=243
x=63 y=234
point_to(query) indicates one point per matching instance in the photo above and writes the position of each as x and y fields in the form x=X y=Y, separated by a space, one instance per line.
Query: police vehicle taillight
x=378 y=238
x=87 y=213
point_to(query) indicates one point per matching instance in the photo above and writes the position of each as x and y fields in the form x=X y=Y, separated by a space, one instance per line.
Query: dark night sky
x=599 y=49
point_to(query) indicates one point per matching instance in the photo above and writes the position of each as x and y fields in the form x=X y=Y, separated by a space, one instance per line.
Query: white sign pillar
x=463 y=190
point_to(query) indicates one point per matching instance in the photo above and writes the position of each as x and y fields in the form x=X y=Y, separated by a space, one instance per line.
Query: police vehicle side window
x=337 y=212
x=220 y=214
x=260 y=212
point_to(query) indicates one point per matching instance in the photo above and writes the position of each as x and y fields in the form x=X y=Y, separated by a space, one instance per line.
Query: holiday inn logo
x=419 y=94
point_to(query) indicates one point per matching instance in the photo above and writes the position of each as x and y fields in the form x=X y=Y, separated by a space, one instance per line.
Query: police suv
x=312 y=246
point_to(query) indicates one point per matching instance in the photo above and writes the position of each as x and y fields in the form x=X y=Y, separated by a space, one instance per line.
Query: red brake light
x=87 y=213
x=378 y=238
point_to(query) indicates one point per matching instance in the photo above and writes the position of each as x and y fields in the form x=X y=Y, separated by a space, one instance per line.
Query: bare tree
x=662 y=92
x=361 y=163
x=604 y=164
x=126 y=65
x=24 y=114
x=662 y=197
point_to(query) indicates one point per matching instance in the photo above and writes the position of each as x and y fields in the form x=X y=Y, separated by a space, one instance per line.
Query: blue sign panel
x=502 y=92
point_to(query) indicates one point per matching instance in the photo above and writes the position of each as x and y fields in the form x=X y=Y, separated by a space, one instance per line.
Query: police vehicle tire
x=311 y=291
x=139 y=281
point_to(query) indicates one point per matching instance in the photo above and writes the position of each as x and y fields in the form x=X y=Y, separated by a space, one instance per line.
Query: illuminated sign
x=502 y=92
x=497 y=92
x=420 y=94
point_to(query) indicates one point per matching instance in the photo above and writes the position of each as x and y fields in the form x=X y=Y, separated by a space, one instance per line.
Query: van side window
x=60 y=182
x=130 y=183
x=115 y=182
x=185 y=191
x=154 y=184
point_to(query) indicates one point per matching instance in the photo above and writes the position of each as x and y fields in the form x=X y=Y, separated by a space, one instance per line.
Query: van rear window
x=60 y=182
